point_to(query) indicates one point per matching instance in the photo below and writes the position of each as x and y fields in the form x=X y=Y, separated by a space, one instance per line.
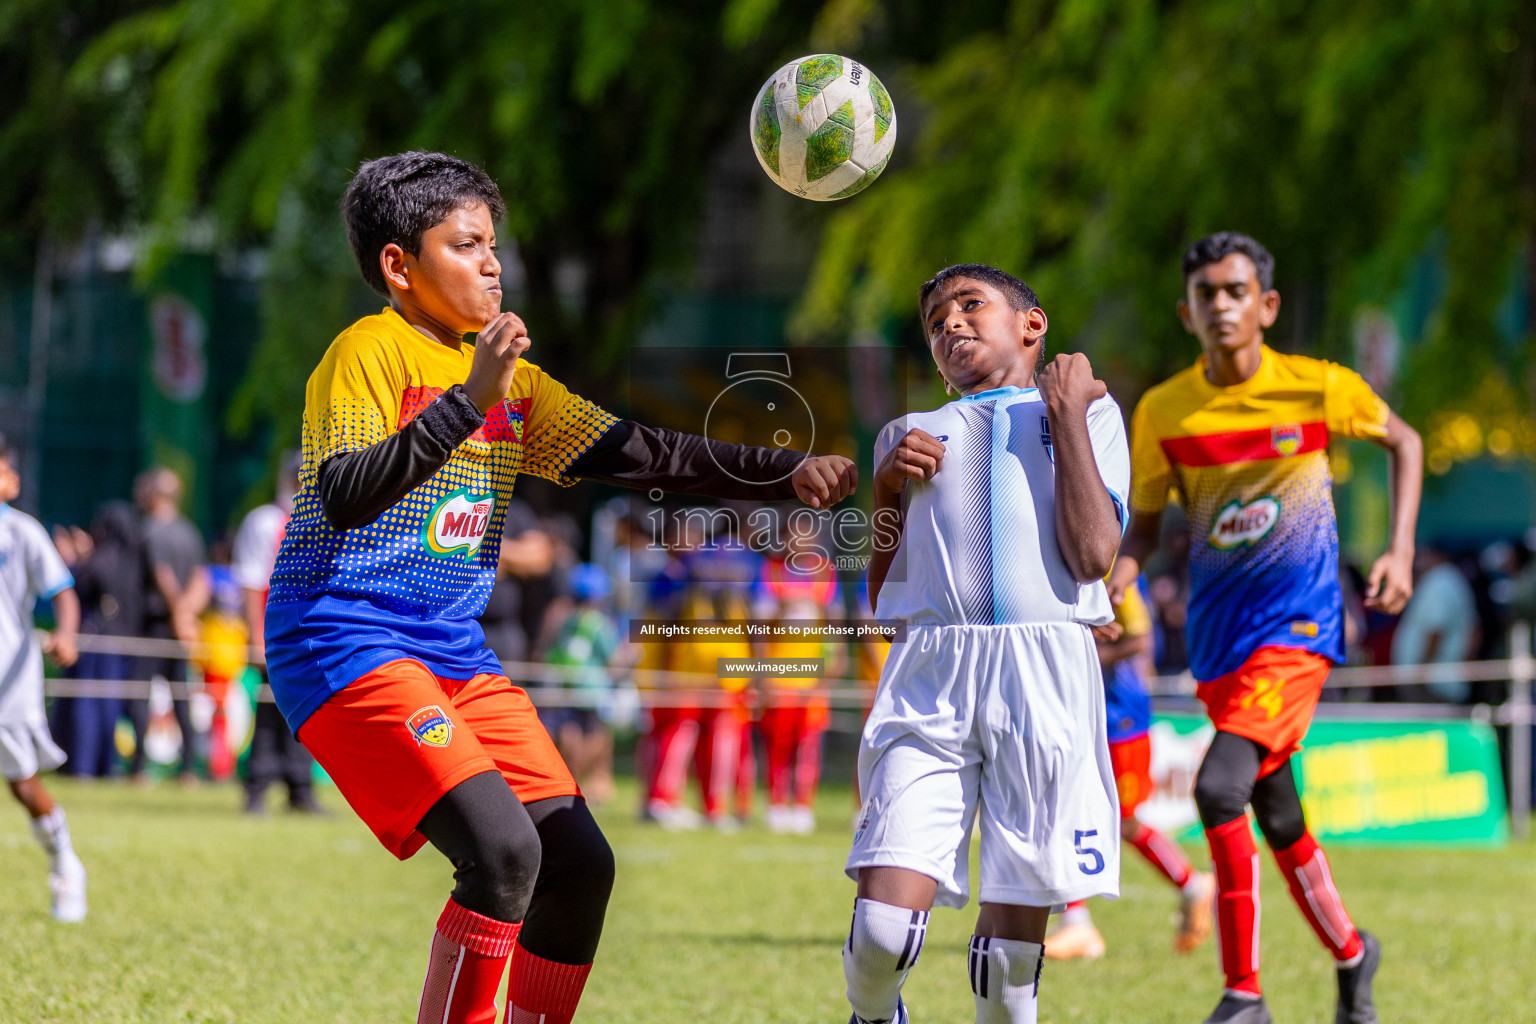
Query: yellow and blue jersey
x=411 y=583
x=1127 y=705
x=1250 y=465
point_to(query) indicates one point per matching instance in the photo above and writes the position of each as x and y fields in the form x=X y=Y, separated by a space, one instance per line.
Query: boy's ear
x=395 y=263
x=1269 y=309
x=1184 y=319
x=1034 y=324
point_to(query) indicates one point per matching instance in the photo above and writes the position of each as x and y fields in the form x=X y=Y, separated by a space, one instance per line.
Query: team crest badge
x=1286 y=438
x=431 y=726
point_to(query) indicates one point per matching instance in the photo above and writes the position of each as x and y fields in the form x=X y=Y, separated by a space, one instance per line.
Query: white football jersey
x=30 y=568
x=978 y=545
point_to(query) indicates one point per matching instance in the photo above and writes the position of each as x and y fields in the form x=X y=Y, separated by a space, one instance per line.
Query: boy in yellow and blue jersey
x=412 y=439
x=1242 y=438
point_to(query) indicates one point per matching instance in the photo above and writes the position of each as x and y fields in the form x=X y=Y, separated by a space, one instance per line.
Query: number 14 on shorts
x=1083 y=845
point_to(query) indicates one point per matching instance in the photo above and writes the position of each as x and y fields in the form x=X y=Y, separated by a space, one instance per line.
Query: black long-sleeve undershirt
x=355 y=488
x=631 y=454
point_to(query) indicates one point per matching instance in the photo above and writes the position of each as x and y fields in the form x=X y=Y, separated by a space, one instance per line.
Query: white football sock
x=52 y=833
x=1005 y=975
x=883 y=944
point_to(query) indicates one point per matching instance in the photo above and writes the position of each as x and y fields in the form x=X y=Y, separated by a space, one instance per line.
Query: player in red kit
x=1242 y=437
x=412 y=439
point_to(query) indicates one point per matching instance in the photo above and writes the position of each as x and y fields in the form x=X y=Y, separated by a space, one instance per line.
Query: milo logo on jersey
x=457 y=524
x=1239 y=524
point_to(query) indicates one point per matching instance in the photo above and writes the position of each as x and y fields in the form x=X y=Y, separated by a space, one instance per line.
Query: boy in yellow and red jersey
x=412 y=440
x=1242 y=437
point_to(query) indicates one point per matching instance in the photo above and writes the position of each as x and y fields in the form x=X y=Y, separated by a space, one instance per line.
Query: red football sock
x=542 y=991
x=1236 y=861
x=469 y=954
x=1162 y=853
x=1306 y=872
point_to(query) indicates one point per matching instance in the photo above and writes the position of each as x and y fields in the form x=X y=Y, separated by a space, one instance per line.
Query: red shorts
x=1269 y=700
x=399 y=738
x=1132 y=762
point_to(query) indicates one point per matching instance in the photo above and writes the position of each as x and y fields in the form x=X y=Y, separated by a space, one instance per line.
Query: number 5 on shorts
x=1087 y=851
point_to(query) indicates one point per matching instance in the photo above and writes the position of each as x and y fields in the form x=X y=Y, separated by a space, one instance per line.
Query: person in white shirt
x=30 y=568
x=1009 y=506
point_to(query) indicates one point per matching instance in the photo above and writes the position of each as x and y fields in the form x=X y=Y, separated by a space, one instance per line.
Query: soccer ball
x=823 y=127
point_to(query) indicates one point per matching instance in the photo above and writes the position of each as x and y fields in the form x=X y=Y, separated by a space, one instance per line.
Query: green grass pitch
x=200 y=914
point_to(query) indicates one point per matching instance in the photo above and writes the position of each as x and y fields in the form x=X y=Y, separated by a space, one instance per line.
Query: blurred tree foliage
x=598 y=118
x=1082 y=143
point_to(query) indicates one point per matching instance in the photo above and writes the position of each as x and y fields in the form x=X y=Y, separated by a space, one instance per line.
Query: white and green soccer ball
x=823 y=127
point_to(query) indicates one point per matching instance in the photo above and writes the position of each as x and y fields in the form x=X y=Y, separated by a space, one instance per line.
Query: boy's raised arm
x=357 y=487
x=1087 y=518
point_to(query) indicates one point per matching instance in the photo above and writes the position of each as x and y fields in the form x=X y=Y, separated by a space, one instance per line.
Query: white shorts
x=1001 y=723
x=27 y=749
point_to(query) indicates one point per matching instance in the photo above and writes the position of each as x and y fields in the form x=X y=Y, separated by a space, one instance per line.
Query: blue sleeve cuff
x=49 y=595
x=1121 y=510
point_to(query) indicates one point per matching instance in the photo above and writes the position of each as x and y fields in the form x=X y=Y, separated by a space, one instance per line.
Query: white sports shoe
x=67 y=883
x=802 y=821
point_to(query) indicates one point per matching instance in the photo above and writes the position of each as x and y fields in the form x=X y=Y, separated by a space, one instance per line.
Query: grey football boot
x=1236 y=1010
x=1355 y=1003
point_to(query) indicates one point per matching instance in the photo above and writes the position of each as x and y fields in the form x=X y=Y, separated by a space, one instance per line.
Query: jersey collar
x=1266 y=356
x=1008 y=391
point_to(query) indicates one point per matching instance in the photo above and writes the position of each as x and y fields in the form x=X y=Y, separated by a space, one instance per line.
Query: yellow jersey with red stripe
x=412 y=583
x=1250 y=465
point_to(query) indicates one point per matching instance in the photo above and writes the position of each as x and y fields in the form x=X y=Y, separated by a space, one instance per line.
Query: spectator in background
x=588 y=643
x=526 y=554
x=108 y=565
x=176 y=593
x=636 y=563
x=547 y=598
x=1438 y=626
x=1169 y=593
x=275 y=753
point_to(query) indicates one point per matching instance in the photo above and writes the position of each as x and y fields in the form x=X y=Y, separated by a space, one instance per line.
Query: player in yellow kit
x=1242 y=438
x=412 y=440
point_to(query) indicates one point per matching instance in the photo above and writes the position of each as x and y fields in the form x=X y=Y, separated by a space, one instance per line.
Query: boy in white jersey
x=30 y=568
x=1011 y=505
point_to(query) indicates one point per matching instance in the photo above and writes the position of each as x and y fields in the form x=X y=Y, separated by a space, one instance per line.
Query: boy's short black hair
x=1020 y=295
x=1215 y=248
x=397 y=198
x=8 y=452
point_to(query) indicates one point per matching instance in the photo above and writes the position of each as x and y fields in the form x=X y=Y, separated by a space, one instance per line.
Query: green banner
x=1361 y=781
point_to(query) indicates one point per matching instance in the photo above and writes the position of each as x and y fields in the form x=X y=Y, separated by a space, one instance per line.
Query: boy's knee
x=1277 y=806
x=497 y=877
x=1219 y=796
x=598 y=865
x=580 y=859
